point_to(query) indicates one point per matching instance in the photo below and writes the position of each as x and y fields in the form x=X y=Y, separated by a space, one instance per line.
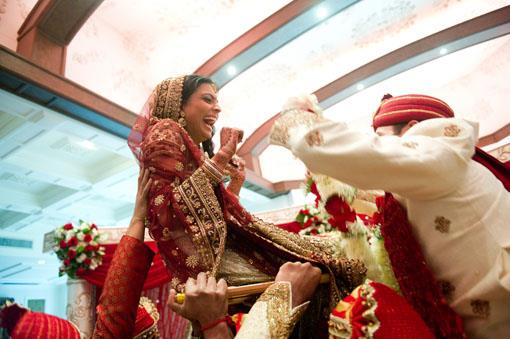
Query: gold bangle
x=212 y=171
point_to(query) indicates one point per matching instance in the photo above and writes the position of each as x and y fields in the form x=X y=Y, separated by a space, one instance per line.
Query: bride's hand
x=235 y=169
x=230 y=137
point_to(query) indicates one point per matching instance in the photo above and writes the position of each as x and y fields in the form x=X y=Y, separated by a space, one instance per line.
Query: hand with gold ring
x=179 y=298
x=204 y=301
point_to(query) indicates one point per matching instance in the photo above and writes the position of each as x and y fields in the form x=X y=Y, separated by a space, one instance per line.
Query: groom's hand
x=303 y=278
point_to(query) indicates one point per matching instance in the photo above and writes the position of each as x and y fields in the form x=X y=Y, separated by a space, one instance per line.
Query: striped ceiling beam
x=268 y=36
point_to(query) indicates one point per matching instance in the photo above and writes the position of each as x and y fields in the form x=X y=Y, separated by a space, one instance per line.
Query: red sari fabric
x=170 y=152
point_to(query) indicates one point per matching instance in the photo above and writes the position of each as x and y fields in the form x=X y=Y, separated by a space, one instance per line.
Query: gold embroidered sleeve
x=292 y=124
x=272 y=316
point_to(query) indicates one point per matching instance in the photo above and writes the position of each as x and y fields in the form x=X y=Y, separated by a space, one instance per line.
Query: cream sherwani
x=459 y=211
x=272 y=316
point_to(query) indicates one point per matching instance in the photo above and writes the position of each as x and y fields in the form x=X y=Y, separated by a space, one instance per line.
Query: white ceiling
x=54 y=169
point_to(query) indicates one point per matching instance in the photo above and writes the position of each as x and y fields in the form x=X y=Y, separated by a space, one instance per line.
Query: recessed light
x=231 y=70
x=88 y=144
x=359 y=87
x=41 y=262
x=443 y=51
x=321 y=12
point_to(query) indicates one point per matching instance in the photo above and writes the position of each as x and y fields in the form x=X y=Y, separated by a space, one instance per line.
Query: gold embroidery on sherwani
x=196 y=197
x=292 y=118
x=481 y=308
x=442 y=224
x=281 y=318
x=314 y=138
x=410 y=144
x=447 y=289
x=451 y=131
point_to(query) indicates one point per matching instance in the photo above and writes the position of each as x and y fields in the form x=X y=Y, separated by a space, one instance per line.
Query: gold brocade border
x=214 y=223
x=288 y=120
x=281 y=317
x=205 y=221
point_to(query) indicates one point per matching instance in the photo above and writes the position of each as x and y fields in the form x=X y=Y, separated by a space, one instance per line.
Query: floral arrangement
x=78 y=247
x=355 y=235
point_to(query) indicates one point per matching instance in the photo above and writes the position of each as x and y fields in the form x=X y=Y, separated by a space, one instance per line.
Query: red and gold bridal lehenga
x=199 y=225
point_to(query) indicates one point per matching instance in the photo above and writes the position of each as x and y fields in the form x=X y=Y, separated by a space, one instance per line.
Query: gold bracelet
x=212 y=171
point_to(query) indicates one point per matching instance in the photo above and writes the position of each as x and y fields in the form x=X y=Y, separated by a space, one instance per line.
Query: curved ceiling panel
x=133 y=45
x=348 y=40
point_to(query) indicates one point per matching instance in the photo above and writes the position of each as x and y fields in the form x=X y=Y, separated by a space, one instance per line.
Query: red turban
x=404 y=108
x=22 y=323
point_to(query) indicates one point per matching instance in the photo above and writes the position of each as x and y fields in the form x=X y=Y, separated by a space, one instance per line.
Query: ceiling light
x=359 y=87
x=231 y=70
x=87 y=144
x=321 y=12
x=41 y=262
x=443 y=51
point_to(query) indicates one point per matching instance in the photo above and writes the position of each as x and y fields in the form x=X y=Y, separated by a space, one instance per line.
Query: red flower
x=93 y=227
x=89 y=248
x=62 y=244
x=379 y=202
x=67 y=262
x=68 y=226
x=339 y=224
x=340 y=213
x=308 y=223
x=80 y=270
x=87 y=261
x=73 y=241
x=71 y=254
x=87 y=238
x=304 y=211
x=314 y=231
x=315 y=191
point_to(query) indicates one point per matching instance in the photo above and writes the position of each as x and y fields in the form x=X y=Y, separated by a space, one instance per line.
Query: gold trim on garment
x=281 y=317
x=205 y=220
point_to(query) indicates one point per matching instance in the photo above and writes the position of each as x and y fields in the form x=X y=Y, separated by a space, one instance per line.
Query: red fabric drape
x=157 y=276
x=416 y=281
x=292 y=226
x=499 y=169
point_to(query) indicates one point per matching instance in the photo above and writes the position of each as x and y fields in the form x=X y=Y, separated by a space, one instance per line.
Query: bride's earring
x=182 y=119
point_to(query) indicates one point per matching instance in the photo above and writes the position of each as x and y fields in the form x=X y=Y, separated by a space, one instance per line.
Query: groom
x=458 y=209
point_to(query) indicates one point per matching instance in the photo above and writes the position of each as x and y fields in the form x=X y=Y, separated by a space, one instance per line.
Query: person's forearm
x=220 y=331
x=136 y=229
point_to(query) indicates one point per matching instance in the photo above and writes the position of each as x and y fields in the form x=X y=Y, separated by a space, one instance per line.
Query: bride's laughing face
x=201 y=112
